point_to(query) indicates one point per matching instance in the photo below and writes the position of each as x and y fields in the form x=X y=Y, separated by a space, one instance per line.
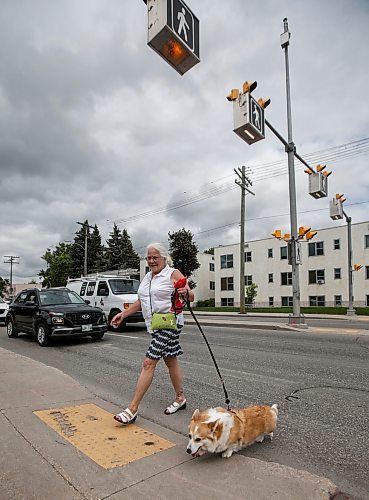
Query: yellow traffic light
x=303 y=230
x=319 y=168
x=357 y=267
x=340 y=197
x=286 y=237
x=327 y=173
x=309 y=171
x=264 y=102
x=277 y=234
x=310 y=234
x=249 y=86
x=233 y=95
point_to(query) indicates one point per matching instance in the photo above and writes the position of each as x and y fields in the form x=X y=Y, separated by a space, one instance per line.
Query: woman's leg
x=176 y=376
x=143 y=383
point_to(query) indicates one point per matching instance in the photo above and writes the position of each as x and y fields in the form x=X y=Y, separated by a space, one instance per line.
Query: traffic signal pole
x=350 y=311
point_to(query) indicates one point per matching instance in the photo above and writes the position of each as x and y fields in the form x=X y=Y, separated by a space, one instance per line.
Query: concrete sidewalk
x=36 y=462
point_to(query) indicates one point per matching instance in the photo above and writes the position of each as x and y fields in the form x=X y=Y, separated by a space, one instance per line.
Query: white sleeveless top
x=155 y=294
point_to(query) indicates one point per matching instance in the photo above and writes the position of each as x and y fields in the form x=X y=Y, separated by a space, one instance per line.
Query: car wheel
x=42 y=335
x=98 y=336
x=10 y=329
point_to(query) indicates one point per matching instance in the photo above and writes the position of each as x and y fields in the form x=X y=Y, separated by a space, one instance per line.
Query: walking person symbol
x=256 y=114
x=183 y=25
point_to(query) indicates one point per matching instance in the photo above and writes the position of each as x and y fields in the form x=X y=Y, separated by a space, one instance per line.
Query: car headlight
x=57 y=318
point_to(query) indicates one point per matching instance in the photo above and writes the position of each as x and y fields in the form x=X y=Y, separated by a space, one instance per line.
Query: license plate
x=86 y=328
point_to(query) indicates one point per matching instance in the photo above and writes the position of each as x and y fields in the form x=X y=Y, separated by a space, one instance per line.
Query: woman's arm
x=185 y=292
x=120 y=317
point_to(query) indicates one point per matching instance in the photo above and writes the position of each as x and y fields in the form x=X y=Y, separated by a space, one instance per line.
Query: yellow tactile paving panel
x=94 y=432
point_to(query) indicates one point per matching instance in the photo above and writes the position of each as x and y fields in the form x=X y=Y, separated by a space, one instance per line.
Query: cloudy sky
x=95 y=125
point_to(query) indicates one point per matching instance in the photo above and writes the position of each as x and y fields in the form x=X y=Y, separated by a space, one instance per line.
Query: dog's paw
x=260 y=439
x=227 y=454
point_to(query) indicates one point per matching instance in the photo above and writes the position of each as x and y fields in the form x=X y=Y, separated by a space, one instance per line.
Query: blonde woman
x=154 y=296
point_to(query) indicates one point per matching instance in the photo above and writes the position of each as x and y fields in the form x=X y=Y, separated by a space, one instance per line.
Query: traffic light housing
x=264 y=102
x=310 y=234
x=340 y=198
x=357 y=267
x=303 y=231
x=277 y=234
x=249 y=86
x=233 y=95
x=320 y=168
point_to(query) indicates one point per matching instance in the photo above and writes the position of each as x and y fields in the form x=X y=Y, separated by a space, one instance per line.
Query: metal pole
x=350 y=311
x=296 y=317
x=242 y=245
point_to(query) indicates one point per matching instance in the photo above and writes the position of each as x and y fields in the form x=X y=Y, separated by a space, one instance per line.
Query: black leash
x=187 y=302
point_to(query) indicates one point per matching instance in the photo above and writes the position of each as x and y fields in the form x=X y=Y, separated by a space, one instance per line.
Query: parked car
x=4 y=306
x=52 y=312
x=112 y=293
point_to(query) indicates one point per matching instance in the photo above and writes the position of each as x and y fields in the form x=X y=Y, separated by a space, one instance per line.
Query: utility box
x=173 y=32
x=248 y=118
x=335 y=209
x=318 y=185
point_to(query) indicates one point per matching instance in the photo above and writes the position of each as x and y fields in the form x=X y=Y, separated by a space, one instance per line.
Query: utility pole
x=12 y=260
x=244 y=182
x=86 y=226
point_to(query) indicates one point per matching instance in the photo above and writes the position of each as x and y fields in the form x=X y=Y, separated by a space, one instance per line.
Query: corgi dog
x=218 y=430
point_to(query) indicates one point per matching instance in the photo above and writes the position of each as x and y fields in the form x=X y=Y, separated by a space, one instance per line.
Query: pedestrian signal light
x=303 y=230
x=263 y=102
x=357 y=267
x=233 y=95
x=277 y=234
x=340 y=197
x=249 y=86
x=310 y=234
x=320 y=168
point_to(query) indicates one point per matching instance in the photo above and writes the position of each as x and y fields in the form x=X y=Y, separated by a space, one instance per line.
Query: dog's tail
x=275 y=409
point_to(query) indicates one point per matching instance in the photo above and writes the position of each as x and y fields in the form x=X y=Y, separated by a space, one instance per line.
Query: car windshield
x=121 y=285
x=55 y=297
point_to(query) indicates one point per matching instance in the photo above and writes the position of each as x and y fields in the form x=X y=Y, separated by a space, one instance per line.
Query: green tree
x=59 y=263
x=130 y=258
x=183 y=251
x=113 y=252
x=4 y=286
x=251 y=293
x=210 y=251
x=95 y=250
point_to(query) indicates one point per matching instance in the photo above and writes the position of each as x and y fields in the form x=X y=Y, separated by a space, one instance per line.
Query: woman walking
x=155 y=296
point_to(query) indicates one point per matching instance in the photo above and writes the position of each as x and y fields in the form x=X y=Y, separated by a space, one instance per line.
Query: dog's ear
x=212 y=426
x=195 y=414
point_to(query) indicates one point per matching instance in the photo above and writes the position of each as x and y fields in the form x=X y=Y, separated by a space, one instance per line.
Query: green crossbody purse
x=162 y=321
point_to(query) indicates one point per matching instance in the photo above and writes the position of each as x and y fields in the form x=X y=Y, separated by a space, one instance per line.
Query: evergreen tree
x=78 y=251
x=114 y=249
x=95 y=252
x=130 y=258
x=184 y=251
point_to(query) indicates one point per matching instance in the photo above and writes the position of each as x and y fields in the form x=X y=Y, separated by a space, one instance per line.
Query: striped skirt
x=164 y=344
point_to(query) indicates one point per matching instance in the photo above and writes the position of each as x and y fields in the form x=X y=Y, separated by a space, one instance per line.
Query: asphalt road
x=319 y=381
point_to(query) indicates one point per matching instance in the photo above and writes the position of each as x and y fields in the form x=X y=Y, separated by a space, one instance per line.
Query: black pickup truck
x=51 y=312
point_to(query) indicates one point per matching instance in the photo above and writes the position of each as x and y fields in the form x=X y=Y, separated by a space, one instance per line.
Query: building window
x=226 y=261
x=270 y=278
x=316 y=248
x=337 y=273
x=248 y=256
x=317 y=277
x=212 y=285
x=283 y=252
x=287 y=301
x=338 y=300
x=366 y=241
x=227 y=301
x=336 y=244
x=367 y=272
x=211 y=266
x=286 y=278
x=226 y=283
x=271 y=301
x=270 y=253
x=248 y=280
x=367 y=301
x=317 y=300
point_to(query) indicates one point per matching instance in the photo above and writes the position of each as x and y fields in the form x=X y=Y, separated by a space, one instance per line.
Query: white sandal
x=125 y=417
x=175 y=407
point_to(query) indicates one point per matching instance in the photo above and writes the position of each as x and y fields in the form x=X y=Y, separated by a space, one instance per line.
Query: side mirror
x=87 y=301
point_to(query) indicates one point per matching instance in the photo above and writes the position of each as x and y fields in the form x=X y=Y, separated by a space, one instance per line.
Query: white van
x=111 y=293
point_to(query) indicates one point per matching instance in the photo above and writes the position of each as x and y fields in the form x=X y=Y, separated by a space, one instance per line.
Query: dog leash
x=175 y=296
